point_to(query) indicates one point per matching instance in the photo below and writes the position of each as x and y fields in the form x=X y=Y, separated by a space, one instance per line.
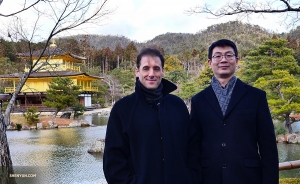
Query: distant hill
x=246 y=36
x=101 y=41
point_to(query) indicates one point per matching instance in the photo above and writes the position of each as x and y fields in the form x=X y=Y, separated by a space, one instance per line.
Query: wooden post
x=289 y=165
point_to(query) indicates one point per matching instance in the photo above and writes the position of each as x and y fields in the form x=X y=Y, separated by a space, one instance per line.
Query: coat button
x=223 y=144
x=224 y=166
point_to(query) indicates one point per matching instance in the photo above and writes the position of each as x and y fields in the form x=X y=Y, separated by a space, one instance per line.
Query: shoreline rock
x=288 y=138
x=97 y=146
x=57 y=122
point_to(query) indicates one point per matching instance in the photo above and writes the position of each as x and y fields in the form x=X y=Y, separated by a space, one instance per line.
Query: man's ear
x=136 y=72
x=209 y=62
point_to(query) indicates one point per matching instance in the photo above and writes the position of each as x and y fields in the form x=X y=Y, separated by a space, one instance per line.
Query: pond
x=60 y=155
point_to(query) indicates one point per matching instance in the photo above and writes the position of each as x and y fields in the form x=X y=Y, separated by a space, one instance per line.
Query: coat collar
x=238 y=92
x=168 y=87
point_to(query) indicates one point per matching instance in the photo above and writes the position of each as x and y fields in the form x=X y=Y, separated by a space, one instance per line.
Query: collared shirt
x=223 y=94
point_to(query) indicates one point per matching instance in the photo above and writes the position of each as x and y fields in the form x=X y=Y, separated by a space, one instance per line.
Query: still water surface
x=59 y=156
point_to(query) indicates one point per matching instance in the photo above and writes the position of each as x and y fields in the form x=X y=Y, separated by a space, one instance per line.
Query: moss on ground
x=289 y=180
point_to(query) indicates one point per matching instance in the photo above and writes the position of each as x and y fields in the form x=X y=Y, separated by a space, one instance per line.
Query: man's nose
x=151 y=72
x=223 y=58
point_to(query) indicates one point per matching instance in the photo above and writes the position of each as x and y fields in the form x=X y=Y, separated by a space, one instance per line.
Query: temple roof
x=50 y=51
x=49 y=74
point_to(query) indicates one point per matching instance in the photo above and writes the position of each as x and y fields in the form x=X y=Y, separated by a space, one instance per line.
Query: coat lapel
x=237 y=93
x=213 y=101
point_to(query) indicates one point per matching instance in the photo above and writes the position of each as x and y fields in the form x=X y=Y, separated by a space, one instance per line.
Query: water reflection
x=57 y=155
x=60 y=155
x=96 y=119
x=289 y=152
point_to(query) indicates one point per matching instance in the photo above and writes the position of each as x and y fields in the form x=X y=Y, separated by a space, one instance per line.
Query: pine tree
x=273 y=68
x=62 y=93
x=272 y=55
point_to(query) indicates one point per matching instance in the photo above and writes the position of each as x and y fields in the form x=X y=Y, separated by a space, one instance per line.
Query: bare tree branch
x=246 y=8
x=23 y=9
x=64 y=15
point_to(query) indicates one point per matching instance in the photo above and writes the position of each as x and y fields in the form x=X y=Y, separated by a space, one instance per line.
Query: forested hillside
x=246 y=36
x=113 y=57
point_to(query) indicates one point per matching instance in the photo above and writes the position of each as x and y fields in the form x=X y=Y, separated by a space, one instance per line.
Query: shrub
x=19 y=126
x=78 y=110
x=32 y=115
x=279 y=127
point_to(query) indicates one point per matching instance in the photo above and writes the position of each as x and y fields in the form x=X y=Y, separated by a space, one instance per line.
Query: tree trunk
x=288 y=124
x=5 y=159
x=106 y=65
x=118 y=61
x=103 y=68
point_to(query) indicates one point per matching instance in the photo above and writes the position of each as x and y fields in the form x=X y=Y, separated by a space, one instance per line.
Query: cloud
x=142 y=20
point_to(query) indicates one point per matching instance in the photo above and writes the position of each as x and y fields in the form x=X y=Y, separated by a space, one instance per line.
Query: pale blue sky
x=142 y=20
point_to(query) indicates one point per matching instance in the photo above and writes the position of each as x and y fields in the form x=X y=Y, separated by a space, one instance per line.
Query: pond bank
x=289 y=138
x=46 y=121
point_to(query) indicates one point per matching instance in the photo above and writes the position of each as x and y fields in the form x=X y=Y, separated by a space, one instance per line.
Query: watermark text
x=22 y=175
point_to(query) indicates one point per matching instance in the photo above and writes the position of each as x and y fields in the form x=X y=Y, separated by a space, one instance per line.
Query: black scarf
x=152 y=96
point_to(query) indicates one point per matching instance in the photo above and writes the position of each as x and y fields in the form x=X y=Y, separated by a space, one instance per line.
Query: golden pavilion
x=54 y=62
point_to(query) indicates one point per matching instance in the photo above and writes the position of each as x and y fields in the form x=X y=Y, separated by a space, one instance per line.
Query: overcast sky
x=142 y=20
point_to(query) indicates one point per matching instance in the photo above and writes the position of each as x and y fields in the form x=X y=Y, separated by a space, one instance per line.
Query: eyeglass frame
x=225 y=56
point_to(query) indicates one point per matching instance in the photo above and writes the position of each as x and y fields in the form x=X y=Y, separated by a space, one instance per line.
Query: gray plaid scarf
x=223 y=94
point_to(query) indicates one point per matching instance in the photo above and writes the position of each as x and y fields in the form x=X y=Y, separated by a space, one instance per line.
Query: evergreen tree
x=273 y=68
x=205 y=77
x=62 y=93
x=187 y=91
x=177 y=76
x=172 y=63
x=272 y=55
x=283 y=92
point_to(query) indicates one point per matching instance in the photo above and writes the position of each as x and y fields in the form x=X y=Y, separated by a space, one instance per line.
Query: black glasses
x=228 y=56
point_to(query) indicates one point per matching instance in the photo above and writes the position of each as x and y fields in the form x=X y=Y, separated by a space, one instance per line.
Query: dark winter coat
x=239 y=147
x=150 y=144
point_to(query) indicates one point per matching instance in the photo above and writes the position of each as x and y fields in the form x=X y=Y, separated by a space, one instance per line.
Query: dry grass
x=289 y=181
x=18 y=119
x=42 y=119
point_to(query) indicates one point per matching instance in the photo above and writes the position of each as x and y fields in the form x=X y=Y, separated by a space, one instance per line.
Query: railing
x=13 y=89
x=72 y=68
x=289 y=165
x=9 y=89
x=90 y=89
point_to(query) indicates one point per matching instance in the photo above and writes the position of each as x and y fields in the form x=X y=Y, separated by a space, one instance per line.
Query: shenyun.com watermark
x=22 y=175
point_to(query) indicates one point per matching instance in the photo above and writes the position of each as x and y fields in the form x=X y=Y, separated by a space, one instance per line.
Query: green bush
x=32 y=115
x=279 y=127
x=19 y=126
x=78 y=110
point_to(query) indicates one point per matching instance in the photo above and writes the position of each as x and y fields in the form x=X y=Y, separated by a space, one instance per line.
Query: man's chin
x=151 y=87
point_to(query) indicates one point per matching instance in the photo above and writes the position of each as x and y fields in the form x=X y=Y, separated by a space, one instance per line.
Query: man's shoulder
x=126 y=99
x=174 y=98
x=205 y=90
x=251 y=88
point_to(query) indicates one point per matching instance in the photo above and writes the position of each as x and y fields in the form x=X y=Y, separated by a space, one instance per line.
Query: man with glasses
x=236 y=133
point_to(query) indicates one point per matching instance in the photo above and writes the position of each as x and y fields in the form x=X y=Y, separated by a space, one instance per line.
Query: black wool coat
x=150 y=144
x=239 y=147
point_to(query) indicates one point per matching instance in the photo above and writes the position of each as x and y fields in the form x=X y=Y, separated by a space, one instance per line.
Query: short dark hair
x=222 y=43
x=149 y=52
